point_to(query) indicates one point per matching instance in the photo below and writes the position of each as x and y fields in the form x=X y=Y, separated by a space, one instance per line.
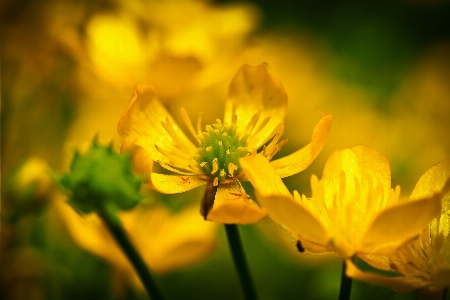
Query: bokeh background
x=68 y=69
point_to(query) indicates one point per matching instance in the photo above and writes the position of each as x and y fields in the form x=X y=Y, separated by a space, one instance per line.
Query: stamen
x=199 y=124
x=223 y=173
x=227 y=152
x=188 y=123
x=216 y=181
x=272 y=143
x=221 y=148
x=215 y=166
x=167 y=167
x=231 y=168
x=202 y=164
x=261 y=126
x=209 y=148
x=251 y=124
x=195 y=169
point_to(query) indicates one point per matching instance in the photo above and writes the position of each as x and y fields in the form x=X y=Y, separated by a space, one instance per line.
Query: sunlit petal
x=143 y=119
x=275 y=197
x=402 y=222
x=296 y=217
x=356 y=172
x=251 y=89
x=263 y=176
x=301 y=159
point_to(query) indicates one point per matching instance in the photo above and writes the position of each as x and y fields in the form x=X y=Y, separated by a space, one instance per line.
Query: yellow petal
x=360 y=172
x=263 y=176
x=174 y=184
x=233 y=206
x=273 y=195
x=377 y=261
x=399 y=283
x=301 y=159
x=284 y=210
x=251 y=89
x=433 y=180
x=436 y=180
x=142 y=162
x=143 y=120
x=400 y=223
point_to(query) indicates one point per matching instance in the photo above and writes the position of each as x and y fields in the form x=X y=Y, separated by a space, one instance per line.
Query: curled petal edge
x=399 y=283
x=301 y=159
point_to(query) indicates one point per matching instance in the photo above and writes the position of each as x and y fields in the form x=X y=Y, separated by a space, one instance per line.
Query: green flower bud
x=101 y=179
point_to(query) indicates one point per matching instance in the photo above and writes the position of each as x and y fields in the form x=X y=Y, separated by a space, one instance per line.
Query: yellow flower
x=425 y=263
x=165 y=240
x=254 y=113
x=353 y=209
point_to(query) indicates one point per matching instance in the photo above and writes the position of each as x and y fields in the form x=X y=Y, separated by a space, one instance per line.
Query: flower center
x=220 y=151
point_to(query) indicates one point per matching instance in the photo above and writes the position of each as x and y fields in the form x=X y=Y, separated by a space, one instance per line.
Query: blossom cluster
x=353 y=211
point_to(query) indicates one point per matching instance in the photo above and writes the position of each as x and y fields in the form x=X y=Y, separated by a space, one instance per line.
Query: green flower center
x=220 y=151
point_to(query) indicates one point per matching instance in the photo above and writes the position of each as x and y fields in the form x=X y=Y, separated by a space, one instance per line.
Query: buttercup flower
x=254 y=113
x=425 y=263
x=353 y=209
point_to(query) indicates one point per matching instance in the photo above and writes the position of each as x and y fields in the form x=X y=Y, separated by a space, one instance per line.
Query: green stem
x=115 y=227
x=346 y=283
x=240 y=262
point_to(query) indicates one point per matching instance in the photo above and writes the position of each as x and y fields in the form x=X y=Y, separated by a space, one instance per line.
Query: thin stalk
x=115 y=227
x=346 y=283
x=240 y=262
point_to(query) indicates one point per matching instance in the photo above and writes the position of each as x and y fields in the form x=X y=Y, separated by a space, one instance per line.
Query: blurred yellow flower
x=30 y=187
x=254 y=113
x=425 y=263
x=181 y=47
x=163 y=42
x=165 y=240
x=353 y=209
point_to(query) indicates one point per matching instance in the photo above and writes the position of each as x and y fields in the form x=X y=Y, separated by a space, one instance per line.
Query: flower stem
x=346 y=283
x=115 y=227
x=240 y=262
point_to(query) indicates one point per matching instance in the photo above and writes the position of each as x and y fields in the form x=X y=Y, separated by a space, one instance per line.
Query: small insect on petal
x=300 y=247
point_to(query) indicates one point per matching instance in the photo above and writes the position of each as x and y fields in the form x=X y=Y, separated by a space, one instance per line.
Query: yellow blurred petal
x=398 y=224
x=168 y=241
x=115 y=47
x=174 y=184
x=90 y=233
x=263 y=176
x=142 y=120
x=251 y=89
x=301 y=159
x=273 y=195
x=399 y=283
x=233 y=206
